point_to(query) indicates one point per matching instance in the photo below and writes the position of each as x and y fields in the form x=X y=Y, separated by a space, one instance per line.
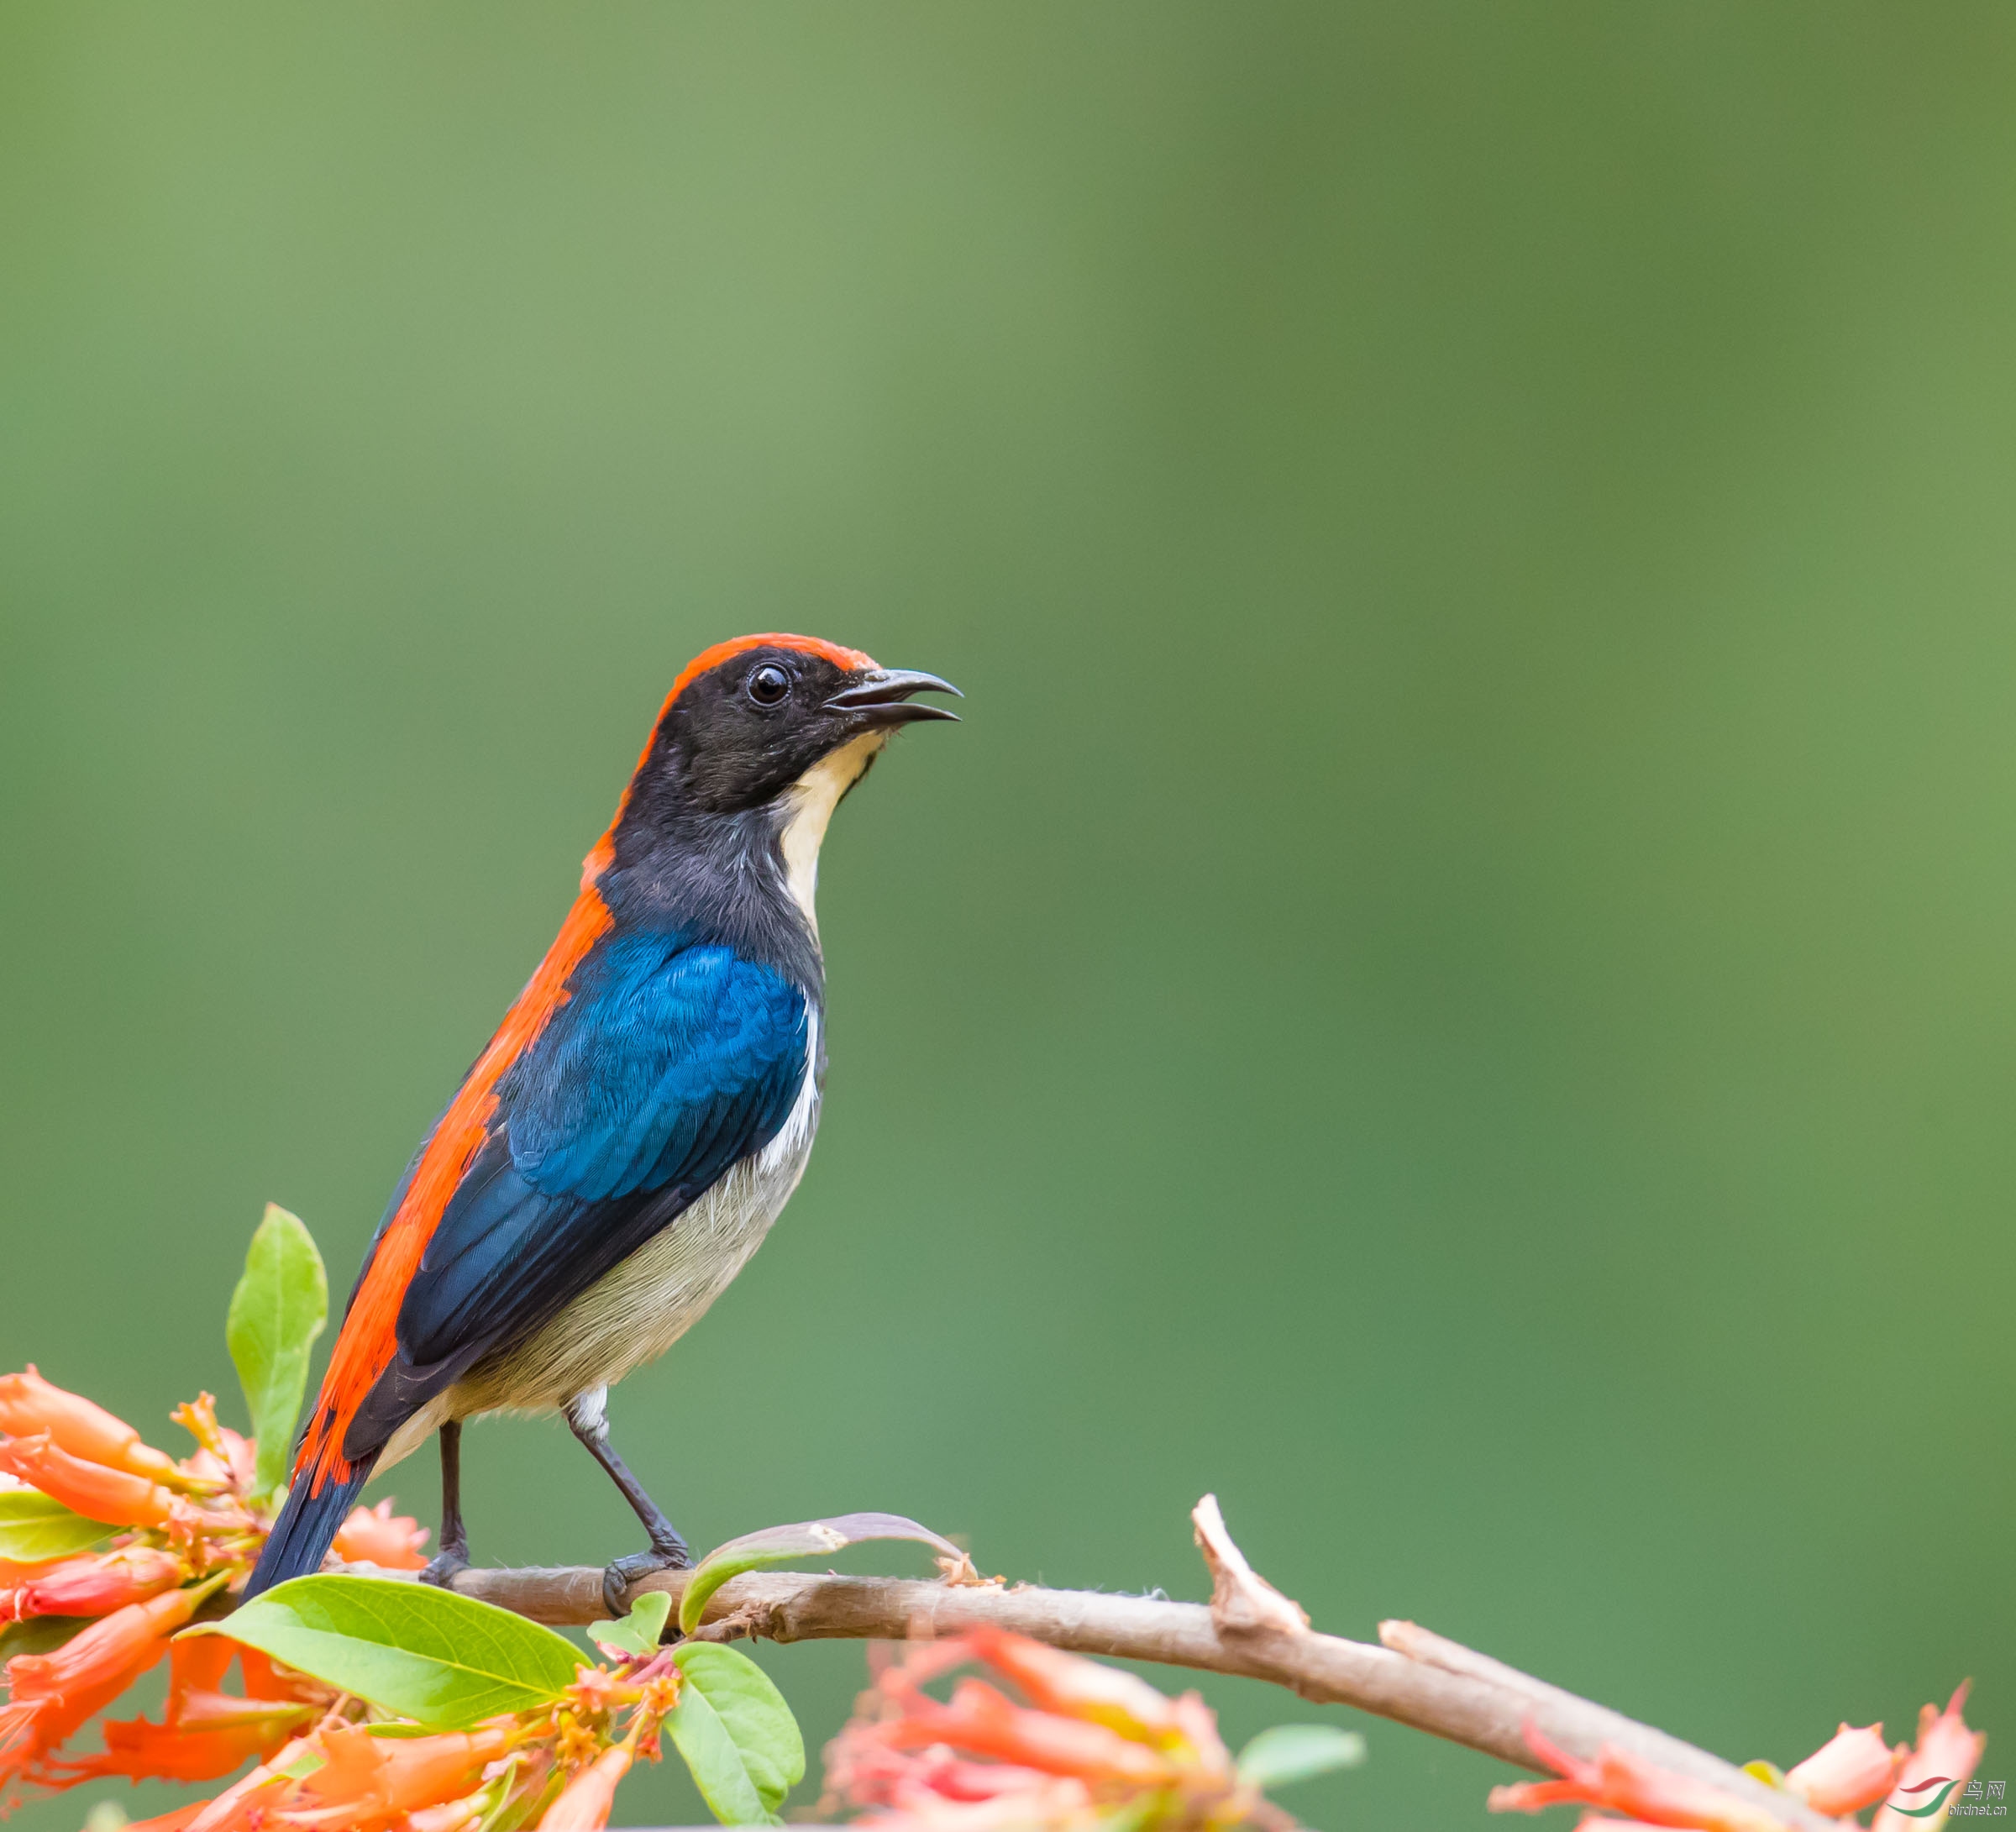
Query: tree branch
x=1415 y=1677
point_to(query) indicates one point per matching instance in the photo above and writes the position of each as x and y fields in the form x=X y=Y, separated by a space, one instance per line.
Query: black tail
x=306 y=1528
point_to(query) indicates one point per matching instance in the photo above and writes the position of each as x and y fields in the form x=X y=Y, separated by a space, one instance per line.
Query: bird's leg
x=588 y=1418
x=454 y=1556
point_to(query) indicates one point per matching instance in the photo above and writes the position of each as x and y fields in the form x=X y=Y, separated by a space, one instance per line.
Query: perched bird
x=645 y=1110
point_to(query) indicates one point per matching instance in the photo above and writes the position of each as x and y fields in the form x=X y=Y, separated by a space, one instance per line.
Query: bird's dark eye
x=768 y=683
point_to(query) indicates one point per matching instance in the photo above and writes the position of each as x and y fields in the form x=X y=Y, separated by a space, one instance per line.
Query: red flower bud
x=586 y=1802
x=96 y=1586
x=95 y=1490
x=15 y=1578
x=29 y=1403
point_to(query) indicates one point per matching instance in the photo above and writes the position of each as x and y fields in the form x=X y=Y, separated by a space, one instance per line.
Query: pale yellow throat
x=809 y=805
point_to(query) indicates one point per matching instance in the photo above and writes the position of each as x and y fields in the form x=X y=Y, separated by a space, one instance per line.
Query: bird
x=624 y=1142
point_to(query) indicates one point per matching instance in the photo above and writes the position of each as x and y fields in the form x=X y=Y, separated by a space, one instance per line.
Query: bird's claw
x=620 y=1573
x=444 y=1567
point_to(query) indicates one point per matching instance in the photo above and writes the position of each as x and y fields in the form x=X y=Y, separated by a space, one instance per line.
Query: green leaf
x=447 y=1660
x=1292 y=1752
x=709 y=1752
x=40 y=1635
x=639 y=1632
x=277 y=1312
x=527 y=1809
x=498 y=1811
x=781 y=1545
x=737 y=1734
x=35 y=1528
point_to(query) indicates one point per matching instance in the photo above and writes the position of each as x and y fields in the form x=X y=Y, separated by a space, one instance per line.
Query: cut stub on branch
x=1242 y=1601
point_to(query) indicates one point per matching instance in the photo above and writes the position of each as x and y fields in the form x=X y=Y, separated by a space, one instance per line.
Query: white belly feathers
x=639 y=1308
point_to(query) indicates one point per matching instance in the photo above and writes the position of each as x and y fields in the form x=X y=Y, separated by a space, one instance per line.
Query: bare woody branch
x=1249 y=1628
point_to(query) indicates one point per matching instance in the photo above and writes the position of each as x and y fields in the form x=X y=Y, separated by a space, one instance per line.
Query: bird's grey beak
x=883 y=694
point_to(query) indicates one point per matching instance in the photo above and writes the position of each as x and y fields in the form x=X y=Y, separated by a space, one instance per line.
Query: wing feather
x=668 y=1063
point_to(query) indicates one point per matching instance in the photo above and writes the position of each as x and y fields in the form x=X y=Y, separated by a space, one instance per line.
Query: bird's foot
x=445 y=1566
x=620 y=1573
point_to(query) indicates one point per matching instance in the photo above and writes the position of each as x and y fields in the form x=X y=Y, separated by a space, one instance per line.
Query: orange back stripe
x=369 y=1340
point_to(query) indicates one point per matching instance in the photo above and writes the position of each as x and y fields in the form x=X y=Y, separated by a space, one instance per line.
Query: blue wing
x=668 y=1063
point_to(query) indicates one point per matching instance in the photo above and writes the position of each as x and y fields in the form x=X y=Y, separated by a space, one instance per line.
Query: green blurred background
x=1458 y=986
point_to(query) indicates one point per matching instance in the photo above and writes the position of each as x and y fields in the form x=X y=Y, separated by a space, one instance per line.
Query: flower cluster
x=1854 y=1770
x=354 y=1770
x=151 y=1539
x=1091 y=1741
x=205 y=1732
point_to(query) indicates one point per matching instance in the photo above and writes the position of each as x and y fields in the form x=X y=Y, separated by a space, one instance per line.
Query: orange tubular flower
x=1945 y=1756
x=585 y=1802
x=54 y=1693
x=936 y=1787
x=369 y=1782
x=29 y=1403
x=378 y=1536
x=204 y=1733
x=198 y=1665
x=364 y=1783
x=1054 y=1680
x=96 y=1586
x=872 y=1774
x=1854 y=1769
x=1096 y=1743
x=263 y=1680
x=97 y=1491
x=187 y=1750
x=16 y=1578
x=234 y=1807
x=1629 y=1785
x=985 y=1722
